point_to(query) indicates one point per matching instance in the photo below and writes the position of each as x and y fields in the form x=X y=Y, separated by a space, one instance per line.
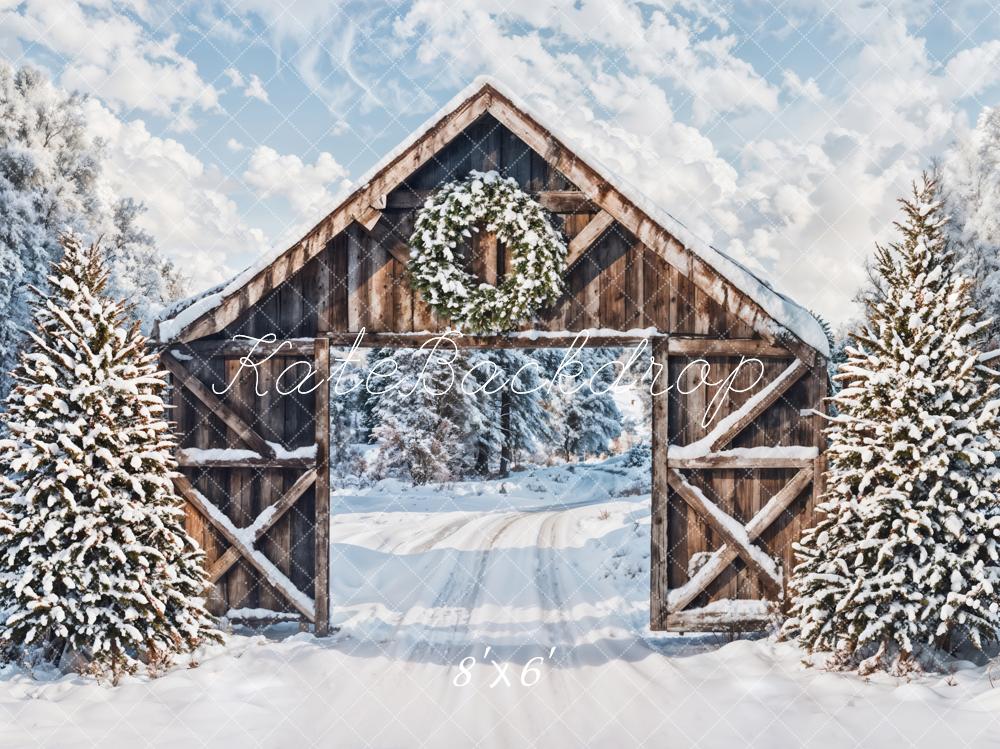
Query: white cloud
x=194 y=220
x=113 y=55
x=252 y=88
x=234 y=145
x=255 y=89
x=235 y=77
x=820 y=191
x=972 y=70
x=306 y=187
x=806 y=89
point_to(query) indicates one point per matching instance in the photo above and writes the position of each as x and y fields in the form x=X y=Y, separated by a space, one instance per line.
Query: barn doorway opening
x=463 y=516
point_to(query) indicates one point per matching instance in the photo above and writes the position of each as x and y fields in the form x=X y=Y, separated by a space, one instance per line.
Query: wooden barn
x=729 y=494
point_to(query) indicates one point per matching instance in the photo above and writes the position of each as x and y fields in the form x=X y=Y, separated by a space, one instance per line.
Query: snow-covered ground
x=542 y=580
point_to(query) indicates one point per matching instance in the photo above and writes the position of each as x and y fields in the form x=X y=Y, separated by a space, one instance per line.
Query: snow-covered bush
x=95 y=564
x=639 y=455
x=904 y=563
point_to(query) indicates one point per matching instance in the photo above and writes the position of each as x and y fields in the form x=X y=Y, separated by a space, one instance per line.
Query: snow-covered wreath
x=537 y=251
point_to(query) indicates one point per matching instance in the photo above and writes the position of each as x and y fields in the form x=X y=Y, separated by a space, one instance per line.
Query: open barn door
x=728 y=498
x=260 y=505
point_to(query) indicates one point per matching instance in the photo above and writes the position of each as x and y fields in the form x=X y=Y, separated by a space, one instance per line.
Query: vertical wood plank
x=658 y=536
x=337 y=258
x=322 y=489
x=324 y=313
x=356 y=282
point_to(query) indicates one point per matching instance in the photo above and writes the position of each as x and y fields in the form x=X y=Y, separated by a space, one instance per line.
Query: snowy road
x=549 y=599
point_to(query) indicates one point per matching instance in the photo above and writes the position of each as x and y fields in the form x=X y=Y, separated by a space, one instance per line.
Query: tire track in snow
x=454 y=604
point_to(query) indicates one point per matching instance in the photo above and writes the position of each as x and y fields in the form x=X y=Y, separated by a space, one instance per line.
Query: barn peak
x=770 y=313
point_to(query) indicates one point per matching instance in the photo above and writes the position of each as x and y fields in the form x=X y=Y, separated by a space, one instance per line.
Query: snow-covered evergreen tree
x=970 y=175
x=346 y=420
x=139 y=273
x=50 y=173
x=531 y=427
x=904 y=561
x=94 y=558
x=428 y=425
x=511 y=405
x=586 y=416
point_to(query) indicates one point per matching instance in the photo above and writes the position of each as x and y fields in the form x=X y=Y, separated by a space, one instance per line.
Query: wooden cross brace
x=214 y=403
x=736 y=545
x=239 y=548
x=264 y=522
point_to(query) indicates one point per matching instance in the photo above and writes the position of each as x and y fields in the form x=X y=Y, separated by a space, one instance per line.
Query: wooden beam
x=820 y=379
x=699 y=503
x=221 y=565
x=274 y=513
x=555 y=201
x=708 y=620
x=208 y=348
x=400 y=252
x=386 y=235
x=407 y=340
x=321 y=619
x=686 y=346
x=659 y=538
x=697 y=346
x=778 y=388
x=589 y=234
x=819 y=438
x=716 y=460
x=186 y=461
x=267 y=571
x=369 y=217
x=679 y=598
x=202 y=392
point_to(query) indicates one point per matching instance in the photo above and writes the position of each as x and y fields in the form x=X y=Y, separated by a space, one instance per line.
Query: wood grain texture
x=726 y=555
x=697 y=502
x=659 y=537
x=196 y=500
x=196 y=387
x=321 y=619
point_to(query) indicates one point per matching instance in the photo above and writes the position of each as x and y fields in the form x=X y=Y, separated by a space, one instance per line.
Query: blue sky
x=780 y=132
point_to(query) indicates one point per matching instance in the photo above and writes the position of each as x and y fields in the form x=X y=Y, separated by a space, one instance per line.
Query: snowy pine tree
x=586 y=416
x=94 y=559
x=904 y=562
x=50 y=181
x=48 y=176
x=531 y=427
x=139 y=273
x=970 y=174
x=346 y=420
x=428 y=425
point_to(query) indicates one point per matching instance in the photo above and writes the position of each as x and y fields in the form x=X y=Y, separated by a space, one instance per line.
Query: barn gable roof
x=770 y=313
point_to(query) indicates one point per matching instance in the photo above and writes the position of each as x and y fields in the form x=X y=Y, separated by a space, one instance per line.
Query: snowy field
x=498 y=613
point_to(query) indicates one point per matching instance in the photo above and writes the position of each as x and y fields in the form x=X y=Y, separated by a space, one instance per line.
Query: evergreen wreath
x=537 y=251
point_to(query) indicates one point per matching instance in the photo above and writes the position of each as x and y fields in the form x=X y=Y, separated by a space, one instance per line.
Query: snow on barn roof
x=783 y=310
